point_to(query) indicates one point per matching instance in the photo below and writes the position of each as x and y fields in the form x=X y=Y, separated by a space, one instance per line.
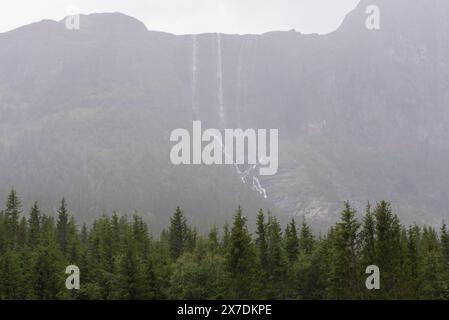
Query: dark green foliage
x=387 y=248
x=63 y=226
x=214 y=243
x=291 y=241
x=119 y=259
x=445 y=245
x=306 y=238
x=276 y=262
x=12 y=282
x=241 y=259
x=34 y=223
x=131 y=281
x=11 y=219
x=197 y=268
x=261 y=237
x=345 y=268
x=178 y=234
x=368 y=238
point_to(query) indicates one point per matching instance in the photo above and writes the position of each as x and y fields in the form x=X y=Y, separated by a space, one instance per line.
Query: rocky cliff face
x=363 y=115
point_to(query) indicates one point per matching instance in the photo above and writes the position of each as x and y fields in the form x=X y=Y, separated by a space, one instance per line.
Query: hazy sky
x=193 y=16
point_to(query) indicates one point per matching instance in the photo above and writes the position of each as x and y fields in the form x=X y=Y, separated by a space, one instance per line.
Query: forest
x=119 y=258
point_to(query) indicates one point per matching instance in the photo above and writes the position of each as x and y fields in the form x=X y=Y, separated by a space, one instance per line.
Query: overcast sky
x=193 y=16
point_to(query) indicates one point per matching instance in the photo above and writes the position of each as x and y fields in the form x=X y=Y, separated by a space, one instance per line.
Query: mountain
x=362 y=115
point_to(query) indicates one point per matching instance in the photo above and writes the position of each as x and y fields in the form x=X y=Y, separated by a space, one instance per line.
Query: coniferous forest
x=119 y=258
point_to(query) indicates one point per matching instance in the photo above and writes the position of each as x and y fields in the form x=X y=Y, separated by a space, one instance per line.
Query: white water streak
x=221 y=110
x=239 y=87
x=258 y=187
x=248 y=173
x=195 y=109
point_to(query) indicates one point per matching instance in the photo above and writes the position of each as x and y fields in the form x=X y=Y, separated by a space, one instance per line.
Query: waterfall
x=221 y=113
x=245 y=174
x=195 y=109
x=258 y=187
x=239 y=87
x=249 y=174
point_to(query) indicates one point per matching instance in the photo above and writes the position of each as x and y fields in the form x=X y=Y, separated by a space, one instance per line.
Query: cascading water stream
x=239 y=87
x=256 y=185
x=221 y=111
x=195 y=109
x=246 y=174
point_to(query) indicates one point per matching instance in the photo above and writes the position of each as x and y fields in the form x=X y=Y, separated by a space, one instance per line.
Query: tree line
x=119 y=258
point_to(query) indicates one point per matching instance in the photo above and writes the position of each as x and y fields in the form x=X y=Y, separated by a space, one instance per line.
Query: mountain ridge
x=87 y=115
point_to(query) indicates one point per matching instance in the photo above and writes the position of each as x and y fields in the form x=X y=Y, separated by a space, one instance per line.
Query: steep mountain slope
x=362 y=114
x=87 y=115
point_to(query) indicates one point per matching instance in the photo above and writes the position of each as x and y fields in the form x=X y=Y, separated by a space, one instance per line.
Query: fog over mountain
x=362 y=115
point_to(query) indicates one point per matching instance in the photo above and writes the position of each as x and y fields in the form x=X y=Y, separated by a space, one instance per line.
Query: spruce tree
x=177 y=234
x=63 y=225
x=388 y=248
x=141 y=236
x=34 y=225
x=306 y=238
x=292 y=241
x=432 y=276
x=48 y=270
x=3 y=240
x=73 y=249
x=445 y=259
x=345 y=278
x=22 y=232
x=241 y=259
x=11 y=217
x=213 y=239
x=84 y=235
x=131 y=274
x=226 y=237
x=414 y=259
x=276 y=266
x=261 y=240
x=191 y=238
x=12 y=281
x=445 y=245
x=150 y=280
x=368 y=240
